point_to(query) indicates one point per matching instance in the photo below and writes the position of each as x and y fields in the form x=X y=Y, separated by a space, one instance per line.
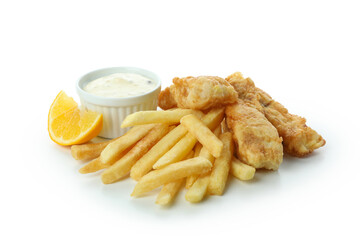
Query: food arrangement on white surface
x=210 y=127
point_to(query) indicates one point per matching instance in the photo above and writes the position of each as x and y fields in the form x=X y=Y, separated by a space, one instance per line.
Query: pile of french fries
x=167 y=149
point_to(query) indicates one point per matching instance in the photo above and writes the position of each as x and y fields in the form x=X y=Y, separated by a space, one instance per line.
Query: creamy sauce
x=119 y=85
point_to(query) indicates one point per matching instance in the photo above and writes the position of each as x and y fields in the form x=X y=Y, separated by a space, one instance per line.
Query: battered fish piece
x=257 y=140
x=298 y=139
x=165 y=99
x=200 y=93
x=246 y=90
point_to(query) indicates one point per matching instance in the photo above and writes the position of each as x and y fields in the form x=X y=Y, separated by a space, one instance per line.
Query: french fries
x=241 y=170
x=88 y=151
x=177 y=152
x=190 y=155
x=146 y=117
x=114 y=149
x=190 y=180
x=198 y=190
x=96 y=165
x=160 y=155
x=93 y=166
x=224 y=126
x=169 y=190
x=203 y=134
x=146 y=162
x=197 y=149
x=212 y=119
x=171 y=173
x=204 y=153
x=218 y=131
x=198 y=187
x=122 y=167
x=220 y=171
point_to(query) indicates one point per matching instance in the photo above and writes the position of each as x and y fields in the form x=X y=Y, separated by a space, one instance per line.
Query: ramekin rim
x=110 y=101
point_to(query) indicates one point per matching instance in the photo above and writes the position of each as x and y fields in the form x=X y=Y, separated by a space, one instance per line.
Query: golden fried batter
x=202 y=93
x=258 y=142
x=298 y=139
x=165 y=100
x=246 y=90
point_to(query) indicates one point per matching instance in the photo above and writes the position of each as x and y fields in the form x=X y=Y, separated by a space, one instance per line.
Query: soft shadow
x=62 y=149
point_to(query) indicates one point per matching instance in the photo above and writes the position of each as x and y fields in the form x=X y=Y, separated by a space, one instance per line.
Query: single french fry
x=146 y=162
x=122 y=167
x=203 y=134
x=190 y=181
x=220 y=171
x=197 y=149
x=93 y=166
x=218 y=130
x=191 y=154
x=168 y=192
x=96 y=165
x=145 y=117
x=114 y=149
x=171 y=173
x=241 y=170
x=89 y=151
x=204 y=153
x=177 y=152
x=212 y=119
x=198 y=190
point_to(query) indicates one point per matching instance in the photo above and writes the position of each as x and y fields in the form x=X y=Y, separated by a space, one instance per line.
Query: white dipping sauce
x=120 y=85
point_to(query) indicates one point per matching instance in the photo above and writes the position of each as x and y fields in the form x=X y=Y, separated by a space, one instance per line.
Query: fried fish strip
x=203 y=92
x=166 y=100
x=258 y=142
x=298 y=139
x=246 y=90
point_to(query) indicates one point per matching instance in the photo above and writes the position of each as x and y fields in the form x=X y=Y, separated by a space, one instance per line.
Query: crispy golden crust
x=258 y=142
x=298 y=139
x=165 y=99
x=202 y=93
x=246 y=90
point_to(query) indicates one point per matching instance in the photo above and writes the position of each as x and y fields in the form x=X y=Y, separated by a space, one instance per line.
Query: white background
x=304 y=53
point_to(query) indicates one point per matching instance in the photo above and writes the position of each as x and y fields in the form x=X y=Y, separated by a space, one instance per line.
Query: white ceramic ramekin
x=115 y=110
